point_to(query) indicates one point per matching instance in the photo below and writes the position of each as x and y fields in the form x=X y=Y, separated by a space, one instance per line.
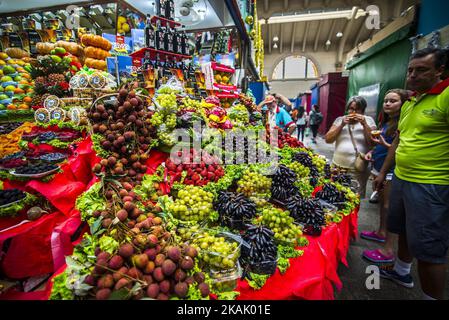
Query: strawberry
x=198 y=170
x=195 y=177
x=210 y=176
x=179 y=168
x=204 y=173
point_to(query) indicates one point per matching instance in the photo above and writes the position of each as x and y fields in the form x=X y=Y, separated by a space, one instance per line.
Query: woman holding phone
x=393 y=101
x=352 y=135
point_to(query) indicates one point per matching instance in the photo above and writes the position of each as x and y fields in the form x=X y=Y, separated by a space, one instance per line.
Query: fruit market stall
x=229 y=226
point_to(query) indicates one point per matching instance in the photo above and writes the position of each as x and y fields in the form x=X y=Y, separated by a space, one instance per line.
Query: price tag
x=42 y=115
x=57 y=114
x=51 y=102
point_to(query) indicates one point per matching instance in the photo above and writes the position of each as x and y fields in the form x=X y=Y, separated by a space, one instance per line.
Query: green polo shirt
x=423 y=152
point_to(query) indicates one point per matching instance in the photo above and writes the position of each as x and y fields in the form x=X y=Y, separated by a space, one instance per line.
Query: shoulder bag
x=360 y=164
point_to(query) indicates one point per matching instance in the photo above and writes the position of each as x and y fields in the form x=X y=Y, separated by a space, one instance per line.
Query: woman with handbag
x=393 y=101
x=352 y=136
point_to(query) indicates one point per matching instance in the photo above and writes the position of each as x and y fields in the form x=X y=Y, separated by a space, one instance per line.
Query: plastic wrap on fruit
x=213 y=100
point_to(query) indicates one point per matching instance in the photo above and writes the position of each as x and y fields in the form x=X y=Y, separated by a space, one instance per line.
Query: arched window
x=295 y=67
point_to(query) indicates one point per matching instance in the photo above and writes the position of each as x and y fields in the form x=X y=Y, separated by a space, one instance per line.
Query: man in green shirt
x=419 y=199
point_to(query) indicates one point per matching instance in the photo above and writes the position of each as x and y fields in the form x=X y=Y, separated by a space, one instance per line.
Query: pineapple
x=36 y=100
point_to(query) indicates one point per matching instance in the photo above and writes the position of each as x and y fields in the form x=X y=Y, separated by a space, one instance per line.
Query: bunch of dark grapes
x=234 y=209
x=332 y=195
x=261 y=255
x=309 y=212
x=342 y=178
x=282 y=186
x=306 y=160
x=327 y=171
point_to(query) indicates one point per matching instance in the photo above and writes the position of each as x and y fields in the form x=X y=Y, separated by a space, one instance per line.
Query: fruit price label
x=51 y=102
x=42 y=116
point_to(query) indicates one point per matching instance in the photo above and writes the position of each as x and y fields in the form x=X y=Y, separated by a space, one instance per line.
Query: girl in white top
x=361 y=127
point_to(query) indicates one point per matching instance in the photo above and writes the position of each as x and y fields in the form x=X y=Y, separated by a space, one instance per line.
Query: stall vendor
x=277 y=116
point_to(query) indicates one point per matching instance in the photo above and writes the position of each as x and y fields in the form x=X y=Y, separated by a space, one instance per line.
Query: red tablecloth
x=66 y=186
x=312 y=275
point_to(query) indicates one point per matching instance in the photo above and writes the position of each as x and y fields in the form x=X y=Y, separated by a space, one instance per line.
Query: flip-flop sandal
x=372 y=235
x=377 y=257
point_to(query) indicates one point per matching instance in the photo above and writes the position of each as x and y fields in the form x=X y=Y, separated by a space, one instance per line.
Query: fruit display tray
x=34 y=176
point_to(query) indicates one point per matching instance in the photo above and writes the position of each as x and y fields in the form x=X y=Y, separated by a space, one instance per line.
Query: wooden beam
x=347 y=30
x=398 y=8
x=317 y=37
x=359 y=34
x=327 y=3
x=293 y=37
x=331 y=32
x=285 y=5
x=281 y=39
x=266 y=7
x=394 y=26
x=304 y=43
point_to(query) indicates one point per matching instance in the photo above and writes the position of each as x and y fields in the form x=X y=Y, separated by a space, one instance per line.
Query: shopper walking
x=301 y=122
x=352 y=136
x=393 y=101
x=419 y=210
x=315 y=120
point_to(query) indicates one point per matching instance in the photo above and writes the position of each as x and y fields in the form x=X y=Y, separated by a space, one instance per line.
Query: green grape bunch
x=300 y=170
x=192 y=204
x=216 y=251
x=282 y=224
x=254 y=184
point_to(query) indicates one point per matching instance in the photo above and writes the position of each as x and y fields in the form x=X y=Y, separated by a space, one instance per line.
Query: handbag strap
x=352 y=139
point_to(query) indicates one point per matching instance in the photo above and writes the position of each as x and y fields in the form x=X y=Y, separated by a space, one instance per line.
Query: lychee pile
x=161 y=273
x=124 y=124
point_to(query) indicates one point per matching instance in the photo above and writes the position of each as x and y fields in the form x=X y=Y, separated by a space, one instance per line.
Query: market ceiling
x=319 y=33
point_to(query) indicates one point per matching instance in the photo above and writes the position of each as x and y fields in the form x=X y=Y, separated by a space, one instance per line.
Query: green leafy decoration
x=90 y=201
x=229 y=295
x=59 y=290
x=108 y=244
x=96 y=145
x=257 y=280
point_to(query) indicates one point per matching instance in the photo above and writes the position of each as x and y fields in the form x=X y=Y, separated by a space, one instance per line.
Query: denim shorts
x=421 y=211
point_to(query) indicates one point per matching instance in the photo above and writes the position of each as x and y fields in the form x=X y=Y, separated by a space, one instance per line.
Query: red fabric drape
x=313 y=275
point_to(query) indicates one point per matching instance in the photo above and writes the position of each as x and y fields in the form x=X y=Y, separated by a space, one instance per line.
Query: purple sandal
x=372 y=235
x=377 y=257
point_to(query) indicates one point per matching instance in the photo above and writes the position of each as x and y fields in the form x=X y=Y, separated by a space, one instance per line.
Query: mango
x=8 y=70
x=56 y=59
x=6 y=79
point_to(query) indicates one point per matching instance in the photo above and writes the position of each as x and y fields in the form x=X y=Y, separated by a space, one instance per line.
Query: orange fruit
x=23 y=107
x=18 y=91
x=30 y=90
x=27 y=99
x=23 y=82
x=26 y=75
x=11 y=107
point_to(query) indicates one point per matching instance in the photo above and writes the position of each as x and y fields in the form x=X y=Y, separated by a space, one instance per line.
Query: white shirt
x=344 y=154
